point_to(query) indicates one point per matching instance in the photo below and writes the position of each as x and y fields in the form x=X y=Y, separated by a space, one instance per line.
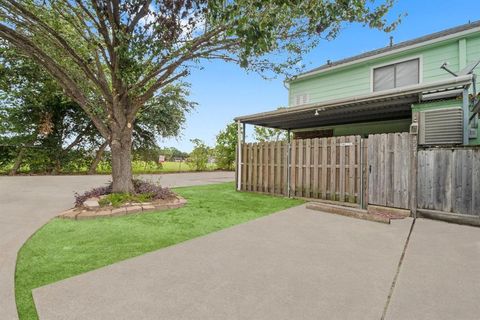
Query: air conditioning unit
x=441 y=126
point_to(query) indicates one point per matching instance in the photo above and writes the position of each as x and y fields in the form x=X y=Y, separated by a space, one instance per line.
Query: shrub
x=95 y=192
x=143 y=191
x=198 y=159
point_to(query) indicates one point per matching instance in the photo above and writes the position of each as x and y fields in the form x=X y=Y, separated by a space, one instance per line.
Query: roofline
x=454 y=81
x=386 y=53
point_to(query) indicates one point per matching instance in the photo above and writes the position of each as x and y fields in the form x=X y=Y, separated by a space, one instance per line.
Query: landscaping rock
x=91 y=203
x=91 y=209
x=148 y=207
x=69 y=214
x=119 y=211
x=133 y=209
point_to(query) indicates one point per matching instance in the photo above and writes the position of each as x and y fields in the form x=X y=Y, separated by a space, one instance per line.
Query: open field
x=139 y=167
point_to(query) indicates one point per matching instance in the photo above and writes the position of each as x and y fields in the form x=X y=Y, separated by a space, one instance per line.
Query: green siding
x=366 y=128
x=473 y=49
x=356 y=79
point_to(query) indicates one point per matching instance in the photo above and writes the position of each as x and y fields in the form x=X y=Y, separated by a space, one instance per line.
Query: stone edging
x=132 y=208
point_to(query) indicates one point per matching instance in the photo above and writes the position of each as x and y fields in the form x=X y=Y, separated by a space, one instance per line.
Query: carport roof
x=384 y=105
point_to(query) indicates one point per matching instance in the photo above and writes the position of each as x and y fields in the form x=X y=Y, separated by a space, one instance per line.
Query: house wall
x=366 y=128
x=353 y=80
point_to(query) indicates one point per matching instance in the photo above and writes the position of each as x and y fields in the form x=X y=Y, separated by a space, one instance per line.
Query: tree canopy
x=225 y=147
x=112 y=57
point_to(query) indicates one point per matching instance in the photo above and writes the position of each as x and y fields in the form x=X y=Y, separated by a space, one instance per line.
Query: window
x=396 y=75
x=301 y=99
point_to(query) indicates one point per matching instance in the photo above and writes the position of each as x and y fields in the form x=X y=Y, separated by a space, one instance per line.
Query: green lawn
x=64 y=248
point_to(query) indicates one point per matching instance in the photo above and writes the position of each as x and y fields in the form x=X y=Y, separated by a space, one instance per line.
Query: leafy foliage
x=225 y=148
x=144 y=191
x=44 y=129
x=93 y=193
x=198 y=159
x=264 y=134
x=113 y=58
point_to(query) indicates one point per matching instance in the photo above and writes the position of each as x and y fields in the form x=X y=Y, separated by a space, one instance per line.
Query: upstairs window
x=396 y=75
x=301 y=99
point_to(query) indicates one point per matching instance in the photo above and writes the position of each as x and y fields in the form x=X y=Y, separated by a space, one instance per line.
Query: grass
x=65 y=248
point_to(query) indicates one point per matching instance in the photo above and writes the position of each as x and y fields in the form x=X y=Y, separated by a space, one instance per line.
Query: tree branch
x=70 y=87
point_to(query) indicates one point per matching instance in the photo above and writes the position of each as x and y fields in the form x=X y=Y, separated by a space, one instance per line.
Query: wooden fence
x=322 y=168
x=381 y=169
x=449 y=180
x=389 y=168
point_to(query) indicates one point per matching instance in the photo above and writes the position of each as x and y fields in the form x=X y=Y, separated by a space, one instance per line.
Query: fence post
x=238 y=167
x=362 y=176
x=413 y=167
x=288 y=163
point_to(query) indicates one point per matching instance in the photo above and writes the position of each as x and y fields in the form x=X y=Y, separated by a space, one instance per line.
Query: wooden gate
x=389 y=170
x=321 y=168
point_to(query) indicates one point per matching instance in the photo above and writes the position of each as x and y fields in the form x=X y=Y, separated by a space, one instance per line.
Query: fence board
x=293 y=164
x=341 y=170
x=307 y=183
x=301 y=151
x=324 y=169
x=333 y=169
x=316 y=164
x=278 y=167
x=352 y=167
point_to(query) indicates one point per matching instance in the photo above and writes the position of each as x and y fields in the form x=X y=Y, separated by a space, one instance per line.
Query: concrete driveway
x=28 y=202
x=296 y=264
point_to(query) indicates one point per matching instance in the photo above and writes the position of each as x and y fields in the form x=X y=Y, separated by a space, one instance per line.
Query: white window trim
x=420 y=68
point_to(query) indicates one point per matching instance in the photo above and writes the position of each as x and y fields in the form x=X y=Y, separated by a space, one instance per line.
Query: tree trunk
x=98 y=158
x=18 y=162
x=121 y=148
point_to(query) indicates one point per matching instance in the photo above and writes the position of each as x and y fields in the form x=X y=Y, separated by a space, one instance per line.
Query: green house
x=424 y=86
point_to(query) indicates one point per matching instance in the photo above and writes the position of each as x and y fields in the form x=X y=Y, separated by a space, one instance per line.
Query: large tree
x=113 y=56
x=43 y=128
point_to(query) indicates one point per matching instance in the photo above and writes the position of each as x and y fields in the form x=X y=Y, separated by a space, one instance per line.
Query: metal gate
x=388 y=157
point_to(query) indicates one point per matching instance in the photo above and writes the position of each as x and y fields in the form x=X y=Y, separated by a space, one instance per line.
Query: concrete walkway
x=440 y=276
x=296 y=264
x=28 y=202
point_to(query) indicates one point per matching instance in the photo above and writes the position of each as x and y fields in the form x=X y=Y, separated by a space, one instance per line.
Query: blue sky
x=224 y=91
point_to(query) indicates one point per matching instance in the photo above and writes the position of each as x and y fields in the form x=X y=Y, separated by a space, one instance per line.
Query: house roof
x=376 y=106
x=433 y=37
